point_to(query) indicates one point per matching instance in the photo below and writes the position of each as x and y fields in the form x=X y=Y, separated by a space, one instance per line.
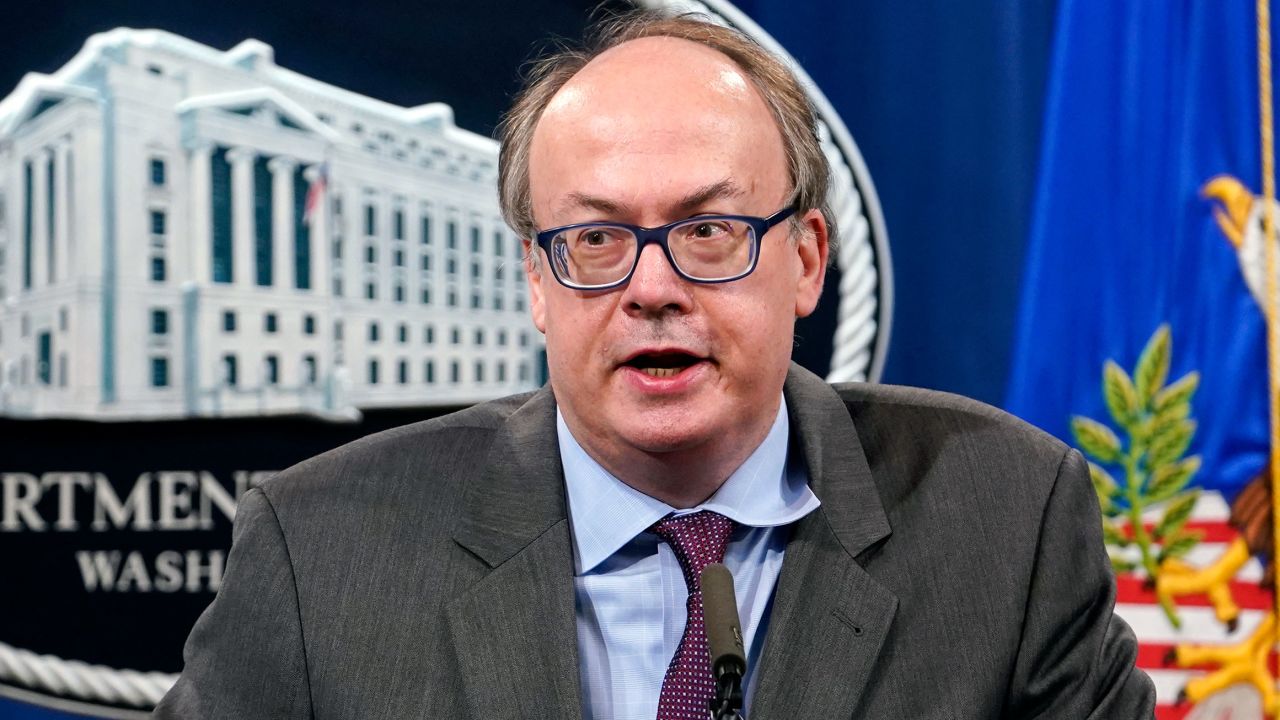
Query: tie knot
x=698 y=540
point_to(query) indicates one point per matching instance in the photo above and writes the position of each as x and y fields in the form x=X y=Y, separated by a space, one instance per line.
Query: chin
x=665 y=434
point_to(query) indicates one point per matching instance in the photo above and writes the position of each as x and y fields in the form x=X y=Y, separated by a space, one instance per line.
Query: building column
x=321 y=240
x=282 y=219
x=243 y=261
x=39 y=219
x=200 y=182
x=353 y=249
x=62 y=221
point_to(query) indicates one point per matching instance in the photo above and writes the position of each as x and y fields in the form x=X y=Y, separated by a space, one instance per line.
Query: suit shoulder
x=935 y=415
x=395 y=451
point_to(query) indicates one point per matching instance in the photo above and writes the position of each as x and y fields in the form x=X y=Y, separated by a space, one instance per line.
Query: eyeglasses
x=702 y=249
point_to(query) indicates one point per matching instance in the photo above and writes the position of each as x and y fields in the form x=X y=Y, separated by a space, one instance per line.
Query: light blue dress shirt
x=629 y=589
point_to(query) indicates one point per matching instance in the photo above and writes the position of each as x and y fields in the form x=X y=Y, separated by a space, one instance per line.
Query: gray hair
x=782 y=93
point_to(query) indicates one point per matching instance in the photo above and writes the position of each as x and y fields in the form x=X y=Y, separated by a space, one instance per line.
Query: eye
x=594 y=238
x=707 y=230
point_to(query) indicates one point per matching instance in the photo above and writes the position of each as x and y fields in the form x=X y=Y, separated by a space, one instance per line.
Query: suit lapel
x=829 y=616
x=514 y=630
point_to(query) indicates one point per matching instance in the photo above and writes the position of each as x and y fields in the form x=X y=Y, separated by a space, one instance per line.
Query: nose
x=655 y=288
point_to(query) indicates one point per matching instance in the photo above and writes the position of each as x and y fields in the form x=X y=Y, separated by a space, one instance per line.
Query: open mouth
x=663 y=365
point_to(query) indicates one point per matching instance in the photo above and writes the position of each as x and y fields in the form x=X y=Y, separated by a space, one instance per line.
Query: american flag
x=1157 y=637
x=315 y=194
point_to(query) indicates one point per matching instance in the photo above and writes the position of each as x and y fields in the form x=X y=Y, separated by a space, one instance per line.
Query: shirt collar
x=606 y=513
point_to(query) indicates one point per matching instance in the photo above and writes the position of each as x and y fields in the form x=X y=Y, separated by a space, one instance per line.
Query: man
x=897 y=553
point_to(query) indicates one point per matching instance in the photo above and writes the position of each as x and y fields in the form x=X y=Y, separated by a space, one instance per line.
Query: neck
x=684 y=477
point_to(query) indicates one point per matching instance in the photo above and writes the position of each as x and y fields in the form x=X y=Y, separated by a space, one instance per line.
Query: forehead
x=649 y=120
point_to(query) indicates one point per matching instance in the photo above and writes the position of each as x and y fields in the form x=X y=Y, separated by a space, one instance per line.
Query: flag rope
x=1272 y=313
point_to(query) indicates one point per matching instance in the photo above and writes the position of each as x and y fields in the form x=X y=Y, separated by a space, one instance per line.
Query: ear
x=811 y=249
x=533 y=273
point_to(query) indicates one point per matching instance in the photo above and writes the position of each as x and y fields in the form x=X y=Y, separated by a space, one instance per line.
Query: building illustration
x=191 y=232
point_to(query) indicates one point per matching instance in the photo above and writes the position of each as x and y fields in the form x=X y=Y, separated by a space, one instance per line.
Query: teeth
x=660 y=372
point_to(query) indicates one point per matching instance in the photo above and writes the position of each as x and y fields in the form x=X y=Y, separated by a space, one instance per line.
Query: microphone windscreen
x=720 y=615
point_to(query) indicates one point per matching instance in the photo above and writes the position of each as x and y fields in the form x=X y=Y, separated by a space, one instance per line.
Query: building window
x=403 y=333
x=497 y=243
x=426 y=296
x=524 y=339
x=455 y=336
x=229 y=370
x=158 y=270
x=452 y=298
x=397 y=224
x=28 y=215
x=430 y=371
x=309 y=324
x=429 y=335
x=475 y=270
x=397 y=258
x=370 y=221
x=475 y=300
x=479 y=337
x=263 y=224
x=399 y=293
x=475 y=239
x=455 y=371
x=402 y=372
x=309 y=372
x=269 y=323
x=158 y=222
x=220 y=198
x=502 y=338
x=502 y=371
x=62 y=370
x=159 y=372
x=302 y=232
x=426 y=228
x=370 y=291
x=373 y=372
x=63 y=320
x=337 y=330
x=159 y=322
x=497 y=301
x=451 y=235
x=426 y=263
x=44 y=362
x=451 y=266
x=228 y=321
x=373 y=332
x=520 y=303
x=271 y=369
x=370 y=254
x=479 y=368
x=157 y=172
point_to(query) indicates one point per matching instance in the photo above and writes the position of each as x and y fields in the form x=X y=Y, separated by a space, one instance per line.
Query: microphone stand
x=727 y=704
x=724 y=641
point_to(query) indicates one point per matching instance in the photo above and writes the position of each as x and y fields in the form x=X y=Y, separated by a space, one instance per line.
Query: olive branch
x=1156 y=420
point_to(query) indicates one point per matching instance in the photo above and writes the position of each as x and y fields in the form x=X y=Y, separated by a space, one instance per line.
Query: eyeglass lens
x=702 y=248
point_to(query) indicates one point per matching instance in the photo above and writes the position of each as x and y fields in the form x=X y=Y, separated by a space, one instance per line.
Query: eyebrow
x=722 y=189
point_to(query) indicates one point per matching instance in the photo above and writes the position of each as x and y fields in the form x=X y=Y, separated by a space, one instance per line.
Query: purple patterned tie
x=698 y=540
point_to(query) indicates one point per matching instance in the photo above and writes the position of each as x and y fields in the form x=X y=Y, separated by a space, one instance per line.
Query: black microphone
x=724 y=639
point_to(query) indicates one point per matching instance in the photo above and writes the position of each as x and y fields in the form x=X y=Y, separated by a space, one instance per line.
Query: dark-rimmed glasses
x=701 y=249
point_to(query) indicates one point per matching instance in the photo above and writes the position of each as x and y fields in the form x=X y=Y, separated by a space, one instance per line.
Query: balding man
x=896 y=553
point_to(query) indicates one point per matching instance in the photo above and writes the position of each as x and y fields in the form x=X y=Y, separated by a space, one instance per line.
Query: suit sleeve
x=245 y=656
x=1076 y=659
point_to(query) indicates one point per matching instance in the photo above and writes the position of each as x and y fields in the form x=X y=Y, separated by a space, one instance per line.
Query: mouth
x=664 y=363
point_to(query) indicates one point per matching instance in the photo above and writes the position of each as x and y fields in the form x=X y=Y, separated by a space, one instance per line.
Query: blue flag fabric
x=1147 y=102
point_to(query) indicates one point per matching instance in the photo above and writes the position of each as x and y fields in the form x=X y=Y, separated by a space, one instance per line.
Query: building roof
x=254 y=57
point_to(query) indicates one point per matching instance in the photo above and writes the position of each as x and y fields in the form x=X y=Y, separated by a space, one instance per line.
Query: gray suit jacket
x=954 y=570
